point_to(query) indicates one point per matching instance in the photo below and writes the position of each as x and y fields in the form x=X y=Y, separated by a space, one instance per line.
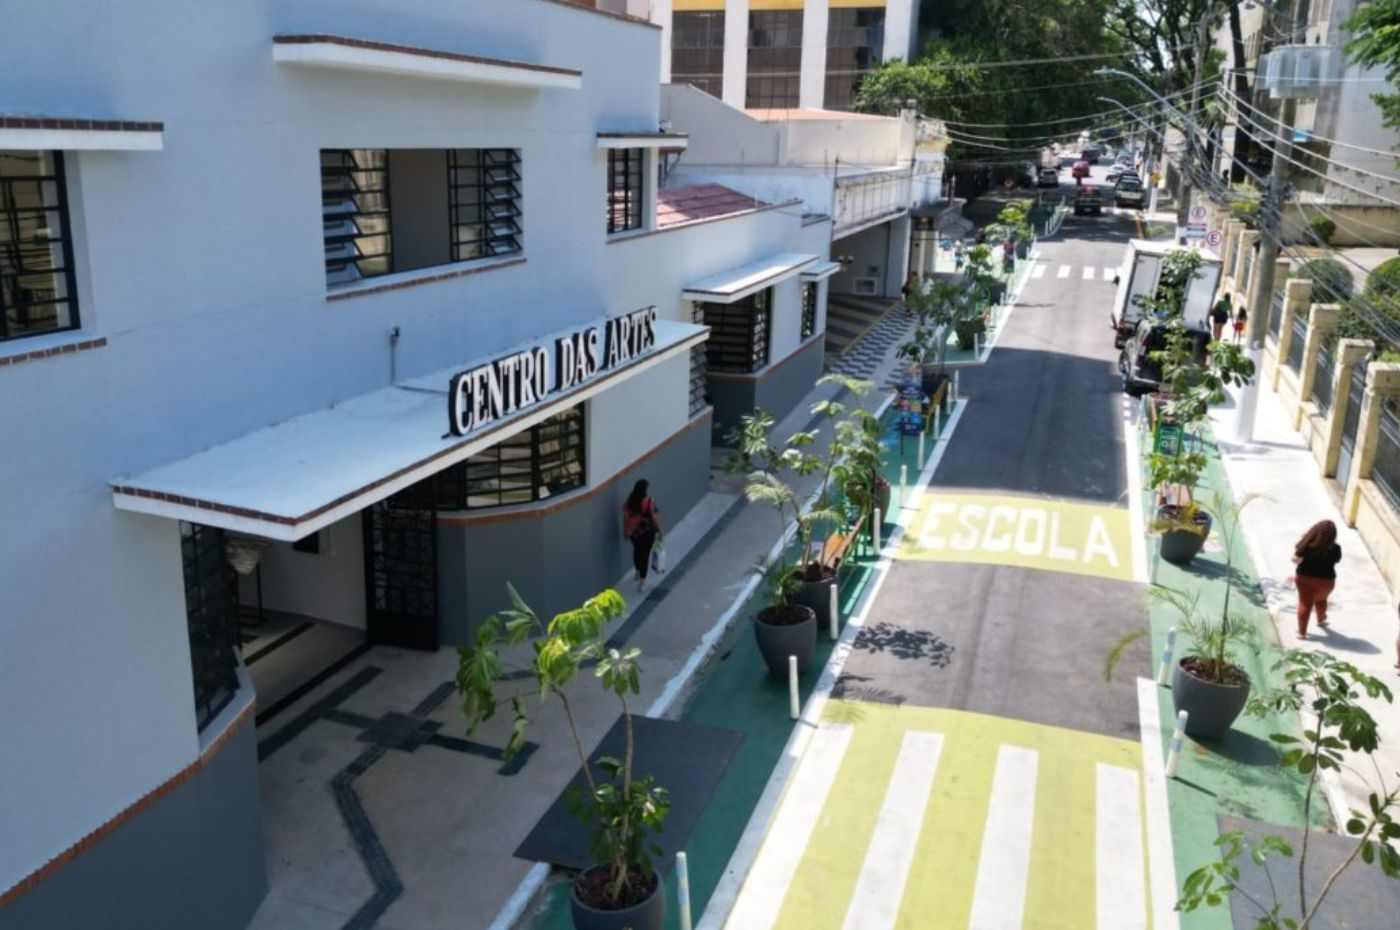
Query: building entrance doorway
x=401 y=594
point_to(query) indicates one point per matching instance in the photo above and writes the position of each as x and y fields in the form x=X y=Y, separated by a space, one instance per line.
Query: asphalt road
x=986 y=611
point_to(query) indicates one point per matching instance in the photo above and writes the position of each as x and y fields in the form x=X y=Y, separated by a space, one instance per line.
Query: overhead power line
x=1260 y=114
x=1105 y=56
x=1068 y=119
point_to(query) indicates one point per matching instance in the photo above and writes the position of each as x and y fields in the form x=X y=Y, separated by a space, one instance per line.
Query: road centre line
x=1003 y=871
x=1108 y=272
x=1088 y=272
x=1039 y=270
x=1063 y=272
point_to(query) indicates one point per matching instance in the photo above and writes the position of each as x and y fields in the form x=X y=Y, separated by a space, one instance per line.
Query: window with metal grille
x=855 y=41
x=1385 y=470
x=739 y=334
x=624 y=189
x=211 y=612
x=37 y=290
x=1322 y=377
x=697 y=50
x=355 y=214
x=483 y=202
x=534 y=464
x=809 y=310
x=775 y=59
x=1295 y=345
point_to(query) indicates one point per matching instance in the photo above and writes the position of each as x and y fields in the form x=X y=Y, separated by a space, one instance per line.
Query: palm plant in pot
x=621 y=809
x=1015 y=219
x=937 y=308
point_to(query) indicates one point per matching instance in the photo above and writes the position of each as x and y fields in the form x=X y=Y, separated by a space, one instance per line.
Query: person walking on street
x=958 y=255
x=1219 y=316
x=1241 y=319
x=1316 y=555
x=641 y=525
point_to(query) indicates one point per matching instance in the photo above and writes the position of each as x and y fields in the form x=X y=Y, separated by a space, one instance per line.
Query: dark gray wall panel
x=194 y=858
x=786 y=384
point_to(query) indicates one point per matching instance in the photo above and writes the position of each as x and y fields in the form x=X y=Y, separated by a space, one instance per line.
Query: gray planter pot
x=648 y=915
x=1023 y=248
x=778 y=641
x=817 y=595
x=1211 y=709
x=1181 y=546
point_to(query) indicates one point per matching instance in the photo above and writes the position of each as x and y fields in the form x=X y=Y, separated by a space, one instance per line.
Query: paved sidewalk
x=1363 y=616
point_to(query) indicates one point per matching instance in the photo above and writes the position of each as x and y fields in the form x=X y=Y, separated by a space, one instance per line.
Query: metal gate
x=1351 y=423
x=401 y=570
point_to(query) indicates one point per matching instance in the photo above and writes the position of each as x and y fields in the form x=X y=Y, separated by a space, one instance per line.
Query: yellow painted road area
x=1029 y=532
x=906 y=818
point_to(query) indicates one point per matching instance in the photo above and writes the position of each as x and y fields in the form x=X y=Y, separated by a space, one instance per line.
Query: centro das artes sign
x=482 y=395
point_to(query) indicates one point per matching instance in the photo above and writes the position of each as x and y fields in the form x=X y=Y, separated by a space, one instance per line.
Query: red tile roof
x=700 y=202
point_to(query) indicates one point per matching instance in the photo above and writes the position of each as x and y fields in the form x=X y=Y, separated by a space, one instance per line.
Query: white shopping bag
x=658 y=558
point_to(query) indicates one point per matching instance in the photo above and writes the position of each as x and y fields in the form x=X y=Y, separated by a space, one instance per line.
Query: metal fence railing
x=1385 y=470
x=863 y=197
x=1322 y=378
x=1276 y=314
x=1295 y=346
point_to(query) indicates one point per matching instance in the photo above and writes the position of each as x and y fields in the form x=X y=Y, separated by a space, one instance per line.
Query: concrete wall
x=192 y=858
x=1357 y=225
x=869 y=251
x=327 y=585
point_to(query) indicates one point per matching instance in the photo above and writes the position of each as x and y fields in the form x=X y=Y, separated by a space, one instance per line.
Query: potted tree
x=1015 y=220
x=621 y=810
x=936 y=309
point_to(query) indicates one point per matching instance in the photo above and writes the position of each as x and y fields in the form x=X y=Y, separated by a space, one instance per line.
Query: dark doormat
x=1362 y=899
x=687 y=761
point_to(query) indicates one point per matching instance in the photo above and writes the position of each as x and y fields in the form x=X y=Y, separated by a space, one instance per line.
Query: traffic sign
x=1213 y=238
x=1198 y=215
x=1196 y=231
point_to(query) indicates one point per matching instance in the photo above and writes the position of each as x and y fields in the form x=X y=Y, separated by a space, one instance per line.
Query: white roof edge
x=727 y=287
x=409 y=64
x=236 y=510
x=821 y=271
x=642 y=141
x=82 y=140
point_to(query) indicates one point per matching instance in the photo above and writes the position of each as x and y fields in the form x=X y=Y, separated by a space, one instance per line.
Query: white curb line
x=1161 y=855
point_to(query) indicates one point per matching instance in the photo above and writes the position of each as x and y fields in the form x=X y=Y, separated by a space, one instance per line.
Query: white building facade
x=350 y=314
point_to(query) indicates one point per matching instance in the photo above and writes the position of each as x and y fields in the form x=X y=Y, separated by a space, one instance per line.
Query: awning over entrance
x=820 y=271
x=738 y=283
x=288 y=480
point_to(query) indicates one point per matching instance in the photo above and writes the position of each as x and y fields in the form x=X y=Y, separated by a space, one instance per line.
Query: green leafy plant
x=936 y=308
x=621 y=811
x=1331 y=280
x=1330 y=690
x=861 y=458
x=1323 y=228
x=1245 y=202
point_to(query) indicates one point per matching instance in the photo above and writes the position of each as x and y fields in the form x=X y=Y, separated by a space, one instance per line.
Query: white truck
x=1142 y=265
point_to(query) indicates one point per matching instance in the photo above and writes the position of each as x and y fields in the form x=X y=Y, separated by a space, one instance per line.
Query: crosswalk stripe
x=1108 y=273
x=1039 y=270
x=999 y=897
x=1063 y=272
x=762 y=894
x=1122 y=892
x=880 y=888
x=1088 y=272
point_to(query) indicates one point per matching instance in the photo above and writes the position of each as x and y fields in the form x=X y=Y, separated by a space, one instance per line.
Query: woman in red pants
x=1316 y=555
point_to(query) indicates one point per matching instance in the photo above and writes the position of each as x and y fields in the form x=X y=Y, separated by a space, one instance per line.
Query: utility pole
x=1183 y=207
x=1270 y=235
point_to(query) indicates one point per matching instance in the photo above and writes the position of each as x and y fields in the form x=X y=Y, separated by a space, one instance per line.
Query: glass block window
x=775 y=59
x=484 y=202
x=211 y=611
x=739 y=333
x=855 y=41
x=809 y=310
x=355 y=214
x=37 y=291
x=697 y=50
x=624 y=189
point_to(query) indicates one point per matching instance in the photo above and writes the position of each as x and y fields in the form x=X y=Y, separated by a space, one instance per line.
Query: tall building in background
x=778 y=54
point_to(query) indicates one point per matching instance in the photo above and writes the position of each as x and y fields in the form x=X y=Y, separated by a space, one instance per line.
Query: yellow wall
x=1377 y=524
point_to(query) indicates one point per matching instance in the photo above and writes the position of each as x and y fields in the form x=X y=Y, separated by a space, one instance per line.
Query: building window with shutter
x=809 y=310
x=624 y=189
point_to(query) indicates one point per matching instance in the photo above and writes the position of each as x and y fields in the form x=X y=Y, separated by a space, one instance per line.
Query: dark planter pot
x=967 y=331
x=1179 y=547
x=647 y=915
x=817 y=596
x=930 y=379
x=777 y=641
x=1211 y=708
x=1023 y=249
x=884 y=494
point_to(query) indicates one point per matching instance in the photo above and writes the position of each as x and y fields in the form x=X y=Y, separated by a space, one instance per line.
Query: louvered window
x=355 y=214
x=739 y=333
x=485 y=202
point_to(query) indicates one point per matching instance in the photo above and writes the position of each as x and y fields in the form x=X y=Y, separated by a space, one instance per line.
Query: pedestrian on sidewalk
x=1241 y=318
x=641 y=525
x=1219 y=316
x=1316 y=555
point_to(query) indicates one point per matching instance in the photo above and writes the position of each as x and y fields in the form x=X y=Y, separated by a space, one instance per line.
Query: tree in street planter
x=1330 y=689
x=937 y=308
x=1015 y=218
x=621 y=810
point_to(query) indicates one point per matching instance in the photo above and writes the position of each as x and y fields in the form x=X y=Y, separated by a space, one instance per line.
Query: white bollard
x=835 y=610
x=793 y=707
x=875 y=530
x=903 y=481
x=1164 y=676
x=953 y=399
x=921 y=441
x=976 y=345
x=937 y=421
x=683 y=889
x=1178 y=738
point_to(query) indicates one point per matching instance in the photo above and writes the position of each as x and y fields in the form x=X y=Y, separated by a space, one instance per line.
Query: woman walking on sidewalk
x=641 y=524
x=1316 y=555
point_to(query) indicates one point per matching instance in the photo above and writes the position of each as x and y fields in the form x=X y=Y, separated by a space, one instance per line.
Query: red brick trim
x=426 y=279
x=68 y=348
x=483 y=518
x=709 y=219
x=328 y=39
x=349 y=496
x=761 y=375
x=41 y=874
x=82 y=125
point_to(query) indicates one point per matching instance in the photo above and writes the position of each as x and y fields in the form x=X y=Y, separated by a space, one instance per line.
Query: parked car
x=1115 y=173
x=1048 y=177
x=1127 y=174
x=1129 y=193
x=1087 y=200
x=1080 y=169
x=1140 y=372
x=1090 y=154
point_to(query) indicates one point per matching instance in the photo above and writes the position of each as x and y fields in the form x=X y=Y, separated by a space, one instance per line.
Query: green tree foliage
x=1330 y=279
x=1375 y=31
